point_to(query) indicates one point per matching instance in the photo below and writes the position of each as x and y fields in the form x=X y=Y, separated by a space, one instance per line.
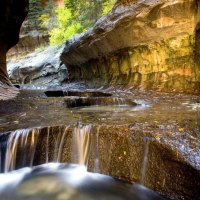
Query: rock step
x=61 y=93
x=74 y=101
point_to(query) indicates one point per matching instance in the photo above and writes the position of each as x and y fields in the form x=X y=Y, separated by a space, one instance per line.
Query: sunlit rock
x=144 y=44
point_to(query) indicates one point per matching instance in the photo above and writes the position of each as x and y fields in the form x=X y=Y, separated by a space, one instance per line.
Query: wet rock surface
x=143 y=44
x=138 y=157
x=39 y=68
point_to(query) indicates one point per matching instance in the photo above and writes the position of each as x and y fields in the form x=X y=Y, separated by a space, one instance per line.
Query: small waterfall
x=145 y=161
x=81 y=144
x=47 y=145
x=21 y=139
x=58 y=144
x=18 y=149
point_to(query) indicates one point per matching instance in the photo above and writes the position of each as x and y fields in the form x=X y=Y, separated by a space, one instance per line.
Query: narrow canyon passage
x=100 y=100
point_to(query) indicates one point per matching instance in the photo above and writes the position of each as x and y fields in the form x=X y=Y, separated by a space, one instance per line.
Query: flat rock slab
x=60 y=93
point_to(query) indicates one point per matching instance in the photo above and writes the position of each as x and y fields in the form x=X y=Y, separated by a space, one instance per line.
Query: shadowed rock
x=12 y=14
x=88 y=94
x=60 y=93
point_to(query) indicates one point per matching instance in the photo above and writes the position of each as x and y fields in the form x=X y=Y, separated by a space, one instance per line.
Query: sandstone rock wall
x=148 y=44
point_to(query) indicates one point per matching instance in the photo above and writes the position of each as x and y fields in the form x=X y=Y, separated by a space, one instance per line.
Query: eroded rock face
x=12 y=14
x=151 y=44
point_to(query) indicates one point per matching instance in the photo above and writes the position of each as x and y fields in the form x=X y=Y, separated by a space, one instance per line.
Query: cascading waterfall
x=58 y=144
x=20 y=146
x=28 y=147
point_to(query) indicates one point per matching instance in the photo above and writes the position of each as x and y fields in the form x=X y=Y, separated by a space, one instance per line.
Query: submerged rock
x=39 y=68
x=150 y=44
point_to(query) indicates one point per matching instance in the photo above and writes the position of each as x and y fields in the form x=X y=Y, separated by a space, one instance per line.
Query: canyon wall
x=12 y=14
x=146 y=44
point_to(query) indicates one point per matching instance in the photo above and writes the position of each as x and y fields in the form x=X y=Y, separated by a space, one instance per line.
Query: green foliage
x=108 y=5
x=65 y=28
x=74 y=17
x=48 y=19
x=87 y=12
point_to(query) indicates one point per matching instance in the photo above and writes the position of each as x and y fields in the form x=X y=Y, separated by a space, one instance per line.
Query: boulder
x=39 y=68
x=148 y=44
